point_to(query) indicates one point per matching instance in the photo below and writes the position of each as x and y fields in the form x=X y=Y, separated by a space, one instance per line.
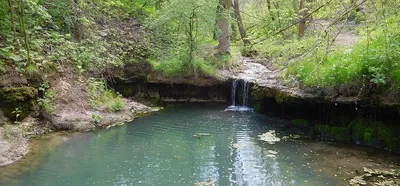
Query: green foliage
x=17 y=98
x=301 y=123
x=101 y=97
x=371 y=132
x=375 y=58
x=47 y=99
x=96 y=119
x=183 y=38
x=17 y=112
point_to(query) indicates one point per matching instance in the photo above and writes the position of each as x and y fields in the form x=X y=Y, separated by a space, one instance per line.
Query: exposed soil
x=13 y=145
x=346 y=36
x=71 y=112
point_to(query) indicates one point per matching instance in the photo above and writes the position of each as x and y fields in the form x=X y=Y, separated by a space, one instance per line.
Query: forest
x=196 y=38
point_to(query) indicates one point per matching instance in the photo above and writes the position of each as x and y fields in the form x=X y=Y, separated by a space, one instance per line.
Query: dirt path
x=346 y=37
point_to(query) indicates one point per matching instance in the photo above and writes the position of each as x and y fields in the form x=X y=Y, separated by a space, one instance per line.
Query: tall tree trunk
x=295 y=5
x=216 y=27
x=192 y=38
x=239 y=21
x=278 y=13
x=23 y=29
x=78 y=27
x=269 y=10
x=302 y=23
x=12 y=18
x=223 y=24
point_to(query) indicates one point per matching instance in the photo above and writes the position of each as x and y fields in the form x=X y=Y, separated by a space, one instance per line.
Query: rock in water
x=269 y=137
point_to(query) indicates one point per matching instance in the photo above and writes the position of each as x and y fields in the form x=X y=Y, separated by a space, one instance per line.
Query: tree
x=302 y=23
x=239 y=21
x=223 y=24
x=269 y=10
x=180 y=33
x=12 y=18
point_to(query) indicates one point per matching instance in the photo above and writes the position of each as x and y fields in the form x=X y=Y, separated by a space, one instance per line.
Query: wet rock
x=269 y=137
x=209 y=182
x=200 y=135
x=358 y=180
x=378 y=177
x=236 y=145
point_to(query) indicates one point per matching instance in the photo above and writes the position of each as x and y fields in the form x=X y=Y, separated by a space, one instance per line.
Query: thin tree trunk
x=223 y=24
x=23 y=29
x=295 y=5
x=192 y=41
x=269 y=10
x=12 y=18
x=239 y=21
x=276 y=5
x=216 y=26
x=78 y=26
x=302 y=23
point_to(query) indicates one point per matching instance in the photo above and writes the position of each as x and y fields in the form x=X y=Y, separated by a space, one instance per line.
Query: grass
x=202 y=64
x=101 y=97
x=375 y=58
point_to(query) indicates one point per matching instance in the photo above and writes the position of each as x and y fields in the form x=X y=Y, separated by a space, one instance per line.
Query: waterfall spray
x=244 y=91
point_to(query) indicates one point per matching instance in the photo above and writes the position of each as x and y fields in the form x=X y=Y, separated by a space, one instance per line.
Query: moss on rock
x=281 y=97
x=301 y=123
x=17 y=98
x=374 y=133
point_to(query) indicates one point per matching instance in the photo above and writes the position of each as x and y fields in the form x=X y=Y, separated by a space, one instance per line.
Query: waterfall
x=234 y=85
x=245 y=93
x=240 y=96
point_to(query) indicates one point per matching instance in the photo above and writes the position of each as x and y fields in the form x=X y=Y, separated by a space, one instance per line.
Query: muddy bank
x=37 y=149
x=13 y=145
x=70 y=111
x=14 y=138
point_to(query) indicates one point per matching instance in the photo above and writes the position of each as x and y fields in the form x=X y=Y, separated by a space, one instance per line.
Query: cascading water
x=245 y=94
x=242 y=93
x=234 y=85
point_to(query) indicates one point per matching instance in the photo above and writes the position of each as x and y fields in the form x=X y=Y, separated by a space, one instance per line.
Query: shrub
x=375 y=59
x=101 y=97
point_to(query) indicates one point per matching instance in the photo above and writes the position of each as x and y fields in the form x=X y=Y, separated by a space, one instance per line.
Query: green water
x=163 y=149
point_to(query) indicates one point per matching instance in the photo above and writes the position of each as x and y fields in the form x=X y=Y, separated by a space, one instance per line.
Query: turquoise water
x=184 y=145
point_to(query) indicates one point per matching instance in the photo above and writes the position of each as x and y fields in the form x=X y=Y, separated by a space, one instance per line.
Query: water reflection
x=179 y=146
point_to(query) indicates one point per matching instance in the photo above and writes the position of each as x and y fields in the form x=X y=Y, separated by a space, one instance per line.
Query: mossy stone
x=21 y=98
x=371 y=132
x=340 y=133
x=301 y=123
x=281 y=97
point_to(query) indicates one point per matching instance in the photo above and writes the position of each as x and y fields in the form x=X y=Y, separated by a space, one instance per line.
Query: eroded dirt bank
x=22 y=116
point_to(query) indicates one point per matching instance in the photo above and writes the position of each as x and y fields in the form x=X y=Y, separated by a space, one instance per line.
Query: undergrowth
x=375 y=58
x=102 y=97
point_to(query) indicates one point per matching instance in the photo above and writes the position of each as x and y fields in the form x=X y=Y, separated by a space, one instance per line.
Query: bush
x=116 y=104
x=46 y=101
x=101 y=97
x=375 y=59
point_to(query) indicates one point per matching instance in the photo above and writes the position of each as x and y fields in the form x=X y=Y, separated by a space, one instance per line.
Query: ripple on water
x=180 y=146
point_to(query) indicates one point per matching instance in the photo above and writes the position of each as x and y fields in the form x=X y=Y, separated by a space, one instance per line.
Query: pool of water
x=185 y=145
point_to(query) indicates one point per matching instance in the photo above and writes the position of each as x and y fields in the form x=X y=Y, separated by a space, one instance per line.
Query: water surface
x=184 y=145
